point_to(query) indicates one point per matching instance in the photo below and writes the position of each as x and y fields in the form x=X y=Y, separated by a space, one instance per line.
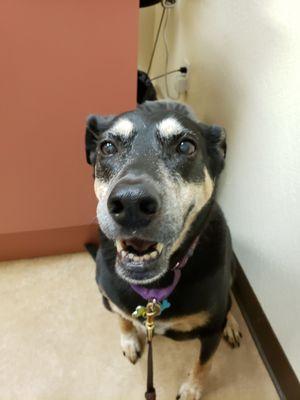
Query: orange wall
x=60 y=61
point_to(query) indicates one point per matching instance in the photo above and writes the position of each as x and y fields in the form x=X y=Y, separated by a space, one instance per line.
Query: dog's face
x=155 y=169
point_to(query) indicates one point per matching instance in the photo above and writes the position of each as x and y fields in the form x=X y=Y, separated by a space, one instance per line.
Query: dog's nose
x=133 y=204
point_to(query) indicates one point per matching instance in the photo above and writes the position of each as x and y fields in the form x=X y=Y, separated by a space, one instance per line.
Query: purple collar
x=161 y=294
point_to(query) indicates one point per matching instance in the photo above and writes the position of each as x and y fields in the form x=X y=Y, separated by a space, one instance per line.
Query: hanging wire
x=156 y=39
x=168 y=73
x=167 y=5
x=167 y=58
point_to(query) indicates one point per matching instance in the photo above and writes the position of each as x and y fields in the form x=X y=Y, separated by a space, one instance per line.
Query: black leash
x=152 y=309
x=150 y=393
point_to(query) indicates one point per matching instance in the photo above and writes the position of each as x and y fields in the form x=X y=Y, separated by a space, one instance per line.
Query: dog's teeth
x=119 y=246
x=131 y=256
x=159 y=247
x=146 y=257
x=136 y=258
x=123 y=253
x=154 y=254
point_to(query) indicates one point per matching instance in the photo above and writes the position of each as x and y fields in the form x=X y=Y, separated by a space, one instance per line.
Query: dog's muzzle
x=135 y=205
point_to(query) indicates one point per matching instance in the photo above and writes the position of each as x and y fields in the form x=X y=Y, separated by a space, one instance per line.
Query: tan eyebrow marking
x=169 y=127
x=123 y=127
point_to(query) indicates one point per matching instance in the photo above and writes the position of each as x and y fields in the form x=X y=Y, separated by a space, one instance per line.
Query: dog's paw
x=131 y=346
x=231 y=332
x=190 y=391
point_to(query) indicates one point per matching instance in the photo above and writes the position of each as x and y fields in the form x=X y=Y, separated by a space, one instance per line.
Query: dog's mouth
x=138 y=260
x=138 y=251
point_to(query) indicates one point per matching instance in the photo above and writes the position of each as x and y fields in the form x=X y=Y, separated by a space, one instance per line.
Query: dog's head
x=155 y=169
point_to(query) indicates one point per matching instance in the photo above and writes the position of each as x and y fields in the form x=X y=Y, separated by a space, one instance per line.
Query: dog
x=156 y=170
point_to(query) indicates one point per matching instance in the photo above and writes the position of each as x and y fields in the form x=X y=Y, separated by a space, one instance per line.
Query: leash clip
x=149 y=312
x=152 y=310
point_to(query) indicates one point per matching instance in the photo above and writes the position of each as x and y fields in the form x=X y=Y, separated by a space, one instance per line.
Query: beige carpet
x=57 y=342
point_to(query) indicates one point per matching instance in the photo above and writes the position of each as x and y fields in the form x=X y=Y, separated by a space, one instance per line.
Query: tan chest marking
x=117 y=310
x=181 y=324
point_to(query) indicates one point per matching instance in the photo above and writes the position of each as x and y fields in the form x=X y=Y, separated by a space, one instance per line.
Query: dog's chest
x=181 y=324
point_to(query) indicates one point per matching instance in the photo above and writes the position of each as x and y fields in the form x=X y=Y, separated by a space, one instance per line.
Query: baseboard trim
x=269 y=348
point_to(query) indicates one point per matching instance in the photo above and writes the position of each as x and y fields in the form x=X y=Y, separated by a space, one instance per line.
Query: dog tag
x=164 y=305
x=140 y=312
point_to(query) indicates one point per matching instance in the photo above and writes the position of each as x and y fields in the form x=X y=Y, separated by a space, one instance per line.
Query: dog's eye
x=108 y=148
x=186 y=147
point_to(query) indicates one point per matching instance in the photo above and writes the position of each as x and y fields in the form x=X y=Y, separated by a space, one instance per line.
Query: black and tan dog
x=155 y=172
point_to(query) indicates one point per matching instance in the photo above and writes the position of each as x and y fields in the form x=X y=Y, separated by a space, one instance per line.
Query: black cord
x=156 y=39
x=183 y=70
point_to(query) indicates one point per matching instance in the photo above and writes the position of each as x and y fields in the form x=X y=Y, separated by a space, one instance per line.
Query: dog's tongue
x=139 y=245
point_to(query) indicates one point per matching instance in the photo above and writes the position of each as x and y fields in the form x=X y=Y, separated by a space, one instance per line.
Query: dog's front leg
x=130 y=342
x=192 y=388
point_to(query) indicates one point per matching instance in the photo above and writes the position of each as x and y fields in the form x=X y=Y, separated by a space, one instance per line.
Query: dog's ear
x=215 y=138
x=96 y=124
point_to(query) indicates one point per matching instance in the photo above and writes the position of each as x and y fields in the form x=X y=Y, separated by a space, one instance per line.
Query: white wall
x=245 y=68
